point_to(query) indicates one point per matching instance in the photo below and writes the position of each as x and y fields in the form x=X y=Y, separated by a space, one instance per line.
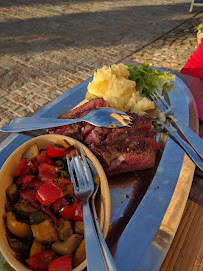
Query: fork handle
x=188 y=149
x=33 y=123
x=194 y=140
x=107 y=254
x=94 y=255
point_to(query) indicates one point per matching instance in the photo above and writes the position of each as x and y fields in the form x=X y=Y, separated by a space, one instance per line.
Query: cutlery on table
x=101 y=117
x=193 y=139
x=107 y=254
x=84 y=187
x=181 y=142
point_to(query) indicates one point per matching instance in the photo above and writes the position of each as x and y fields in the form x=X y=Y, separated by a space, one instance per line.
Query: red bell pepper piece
x=63 y=263
x=25 y=180
x=48 y=193
x=72 y=211
x=23 y=168
x=55 y=152
x=47 y=173
x=47 y=211
x=35 y=183
x=30 y=196
x=34 y=167
x=44 y=158
x=40 y=261
x=57 y=205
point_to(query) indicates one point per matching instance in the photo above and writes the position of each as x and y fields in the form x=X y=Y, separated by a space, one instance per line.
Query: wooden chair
x=194 y=4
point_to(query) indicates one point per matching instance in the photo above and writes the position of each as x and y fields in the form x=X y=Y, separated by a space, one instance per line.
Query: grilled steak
x=119 y=150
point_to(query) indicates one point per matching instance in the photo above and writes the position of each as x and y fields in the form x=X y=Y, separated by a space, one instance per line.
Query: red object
x=63 y=263
x=55 y=152
x=48 y=193
x=34 y=167
x=25 y=180
x=35 y=183
x=47 y=173
x=23 y=168
x=44 y=158
x=47 y=211
x=40 y=261
x=30 y=196
x=57 y=205
x=73 y=211
x=194 y=65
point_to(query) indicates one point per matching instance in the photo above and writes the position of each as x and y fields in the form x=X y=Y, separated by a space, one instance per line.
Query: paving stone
x=48 y=47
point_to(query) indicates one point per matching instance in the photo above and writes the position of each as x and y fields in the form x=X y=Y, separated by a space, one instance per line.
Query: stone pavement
x=48 y=47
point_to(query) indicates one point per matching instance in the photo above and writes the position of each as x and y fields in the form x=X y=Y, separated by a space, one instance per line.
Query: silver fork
x=107 y=254
x=194 y=140
x=84 y=188
x=192 y=153
x=101 y=117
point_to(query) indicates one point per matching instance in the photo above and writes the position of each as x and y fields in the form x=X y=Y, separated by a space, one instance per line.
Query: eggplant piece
x=12 y=193
x=64 y=228
x=38 y=217
x=23 y=209
x=68 y=246
x=16 y=244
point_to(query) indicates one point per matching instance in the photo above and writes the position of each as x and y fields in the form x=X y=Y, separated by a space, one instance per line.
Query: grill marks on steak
x=119 y=150
x=126 y=151
x=97 y=135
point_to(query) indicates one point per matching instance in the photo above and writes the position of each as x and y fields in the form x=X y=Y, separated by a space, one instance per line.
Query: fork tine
x=158 y=102
x=78 y=170
x=87 y=169
x=163 y=100
x=82 y=170
x=71 y=174
x=161 y=103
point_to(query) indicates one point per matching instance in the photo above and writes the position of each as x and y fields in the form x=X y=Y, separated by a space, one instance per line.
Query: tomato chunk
x=23 y=168
x=44 y=158
x=63 y=263
x=40 y=261
x=25 y=180
x=47 y=173
x=57 y=205
x=72 y=211
x=55 y=152
x=48 y=193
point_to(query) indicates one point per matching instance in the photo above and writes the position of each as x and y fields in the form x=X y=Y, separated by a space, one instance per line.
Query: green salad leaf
x=149 y=80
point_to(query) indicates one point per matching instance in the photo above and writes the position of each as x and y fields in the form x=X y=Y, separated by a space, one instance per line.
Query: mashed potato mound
x=112 y=84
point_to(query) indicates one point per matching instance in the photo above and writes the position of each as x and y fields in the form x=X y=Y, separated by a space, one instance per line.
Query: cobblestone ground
x=47 y=47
